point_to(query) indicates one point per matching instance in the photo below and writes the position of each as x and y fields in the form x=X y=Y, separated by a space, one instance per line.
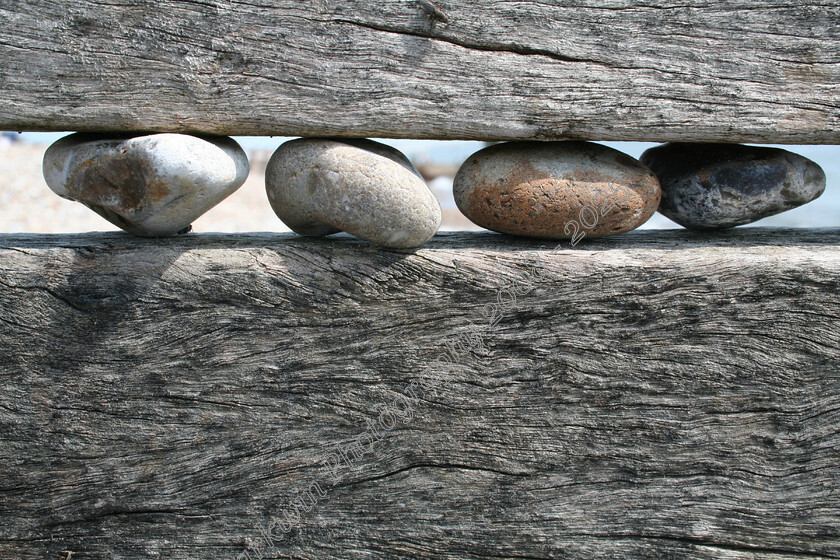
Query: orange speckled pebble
x=555 y=190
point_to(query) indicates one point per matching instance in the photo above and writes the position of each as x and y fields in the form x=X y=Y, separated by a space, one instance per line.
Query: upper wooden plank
x=656 y=70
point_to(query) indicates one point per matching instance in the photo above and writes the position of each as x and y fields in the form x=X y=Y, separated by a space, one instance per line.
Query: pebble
x=370 y=190
x=555 y=190
x=150 y=186
x=716 y=186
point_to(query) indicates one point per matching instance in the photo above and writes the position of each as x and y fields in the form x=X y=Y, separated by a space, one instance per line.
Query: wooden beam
x=658 y=70
x=658 y=394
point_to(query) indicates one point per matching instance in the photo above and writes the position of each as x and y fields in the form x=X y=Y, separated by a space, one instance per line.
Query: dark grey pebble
x=715 y=186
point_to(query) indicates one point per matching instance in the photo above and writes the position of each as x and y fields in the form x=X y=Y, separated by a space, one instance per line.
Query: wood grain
x=654 y=395
x=658 y=70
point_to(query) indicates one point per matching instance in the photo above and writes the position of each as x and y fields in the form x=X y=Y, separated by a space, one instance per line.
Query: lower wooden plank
x=655 y=395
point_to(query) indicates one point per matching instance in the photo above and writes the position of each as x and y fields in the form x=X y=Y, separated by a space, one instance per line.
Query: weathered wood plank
x=655 y=395
x=729 y=70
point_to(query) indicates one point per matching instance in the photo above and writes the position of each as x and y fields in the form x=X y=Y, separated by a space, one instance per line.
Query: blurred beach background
x=28 y=206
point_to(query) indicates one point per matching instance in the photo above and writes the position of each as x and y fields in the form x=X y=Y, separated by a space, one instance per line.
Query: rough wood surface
x=656 y=395
x=729 y=70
